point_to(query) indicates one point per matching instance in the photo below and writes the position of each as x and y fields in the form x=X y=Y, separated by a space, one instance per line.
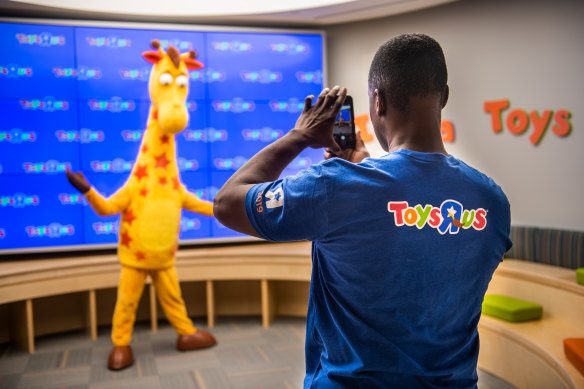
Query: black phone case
x=346 y=140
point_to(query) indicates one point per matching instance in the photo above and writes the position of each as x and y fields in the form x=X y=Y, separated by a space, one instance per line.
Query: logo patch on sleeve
x=275 y=199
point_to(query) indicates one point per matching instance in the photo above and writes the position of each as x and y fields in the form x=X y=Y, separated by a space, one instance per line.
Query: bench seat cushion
x=574 y=350
x=580 y=275
x=511 y=309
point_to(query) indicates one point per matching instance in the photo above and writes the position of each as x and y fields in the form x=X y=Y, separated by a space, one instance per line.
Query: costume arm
x=194 y=204
x=116 y=203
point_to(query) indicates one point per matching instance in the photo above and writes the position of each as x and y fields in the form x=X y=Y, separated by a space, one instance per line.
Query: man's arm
x=314 y=128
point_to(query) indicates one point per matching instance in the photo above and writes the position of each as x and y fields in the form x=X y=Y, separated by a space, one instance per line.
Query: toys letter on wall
x=517 y=121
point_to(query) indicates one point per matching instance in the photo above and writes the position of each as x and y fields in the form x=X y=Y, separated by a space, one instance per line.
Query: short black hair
x=408 y=65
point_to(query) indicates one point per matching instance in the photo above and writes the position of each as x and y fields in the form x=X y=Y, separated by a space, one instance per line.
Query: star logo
x=140 y=256
x=451 y=211
x=275 y=198
x=129 y=217
x=175 y=183
x=144 y=148
x=141 y=172
x=161 y=161
x=143 y=192
x=164 y=139
x=125 y=239
x=162 y=180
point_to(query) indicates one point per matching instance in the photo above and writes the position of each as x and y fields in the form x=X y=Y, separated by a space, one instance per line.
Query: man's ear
x=380 y=103
x=445 y=97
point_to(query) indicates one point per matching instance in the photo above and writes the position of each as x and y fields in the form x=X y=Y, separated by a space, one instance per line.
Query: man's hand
x=314 y=128
x=78 y=181
x=317 y=120
x=355 y=155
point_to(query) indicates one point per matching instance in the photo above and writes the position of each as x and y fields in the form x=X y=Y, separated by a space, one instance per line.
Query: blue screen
x=77 y=97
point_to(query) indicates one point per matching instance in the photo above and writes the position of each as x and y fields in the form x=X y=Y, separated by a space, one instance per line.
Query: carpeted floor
x=247 y=356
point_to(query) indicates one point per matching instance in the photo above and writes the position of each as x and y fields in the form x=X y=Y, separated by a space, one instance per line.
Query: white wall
x=530 y=52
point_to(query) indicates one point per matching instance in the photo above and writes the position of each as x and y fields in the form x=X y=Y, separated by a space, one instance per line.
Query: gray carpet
x=247 y=356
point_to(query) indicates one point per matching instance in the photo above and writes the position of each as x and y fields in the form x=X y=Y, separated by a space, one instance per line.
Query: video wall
x=76 y=97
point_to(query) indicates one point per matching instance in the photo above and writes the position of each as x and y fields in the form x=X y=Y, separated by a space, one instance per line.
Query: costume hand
x=78 y=181
x=317 y=120
x=355 y=155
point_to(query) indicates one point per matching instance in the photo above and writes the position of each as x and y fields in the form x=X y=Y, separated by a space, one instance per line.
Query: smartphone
x=344 y=128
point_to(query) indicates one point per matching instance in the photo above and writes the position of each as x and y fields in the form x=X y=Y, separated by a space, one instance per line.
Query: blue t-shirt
x=404 y=247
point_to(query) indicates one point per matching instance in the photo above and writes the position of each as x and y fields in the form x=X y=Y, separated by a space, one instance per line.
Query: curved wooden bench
x=23 y=281
x=531 y=354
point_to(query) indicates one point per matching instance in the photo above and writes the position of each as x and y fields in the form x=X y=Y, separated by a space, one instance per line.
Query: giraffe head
x=168 y=86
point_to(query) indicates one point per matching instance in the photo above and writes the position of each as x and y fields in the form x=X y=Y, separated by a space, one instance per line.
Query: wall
x=529 y=52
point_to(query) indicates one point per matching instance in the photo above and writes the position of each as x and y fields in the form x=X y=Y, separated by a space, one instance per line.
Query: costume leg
x=169 y=295
x=129 y=292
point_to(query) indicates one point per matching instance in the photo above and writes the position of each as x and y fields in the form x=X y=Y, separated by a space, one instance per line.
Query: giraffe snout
x=173 y=117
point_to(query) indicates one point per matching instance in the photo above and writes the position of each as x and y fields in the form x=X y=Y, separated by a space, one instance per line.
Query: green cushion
x=511 y=309
x=580 y=276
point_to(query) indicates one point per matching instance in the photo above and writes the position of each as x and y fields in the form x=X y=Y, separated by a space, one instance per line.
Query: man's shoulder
x=339 y=164
x=339 y=169
x=484 y=184
x=479 y=176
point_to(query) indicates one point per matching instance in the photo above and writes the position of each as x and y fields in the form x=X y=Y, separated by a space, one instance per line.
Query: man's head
x=408 y=65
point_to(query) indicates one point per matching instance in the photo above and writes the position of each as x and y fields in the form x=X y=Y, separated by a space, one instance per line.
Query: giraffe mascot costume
x=150 y=203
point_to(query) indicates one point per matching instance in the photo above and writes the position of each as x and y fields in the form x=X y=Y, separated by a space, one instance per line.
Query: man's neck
x=417 y=129
x=427 y=142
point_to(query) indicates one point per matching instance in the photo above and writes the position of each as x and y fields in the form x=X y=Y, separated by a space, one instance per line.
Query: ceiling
x=289 y=13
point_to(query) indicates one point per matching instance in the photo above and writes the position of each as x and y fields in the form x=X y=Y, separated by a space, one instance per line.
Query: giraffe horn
x=189 y=54
x=156 y=45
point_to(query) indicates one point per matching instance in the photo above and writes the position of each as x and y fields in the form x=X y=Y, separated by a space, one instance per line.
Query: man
x=404 y=245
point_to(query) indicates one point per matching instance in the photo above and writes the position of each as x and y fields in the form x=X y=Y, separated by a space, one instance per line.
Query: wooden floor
x=247 y=356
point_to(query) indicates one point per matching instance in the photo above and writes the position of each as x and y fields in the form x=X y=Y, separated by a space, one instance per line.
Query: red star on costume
x=129 y=216
x=143 y=192
x=162 y=180
x=155 y=115
x=175 y=183
x=144 y=148
x=164 y=139
x=141 y=172
x=161 y=161
x=125 y=239
x=140 y=256
x=174 y=248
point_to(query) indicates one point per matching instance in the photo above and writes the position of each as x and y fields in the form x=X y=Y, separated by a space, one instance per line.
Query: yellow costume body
x=150 y=204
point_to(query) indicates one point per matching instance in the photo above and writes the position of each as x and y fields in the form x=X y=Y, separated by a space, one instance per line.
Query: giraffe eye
x=182 y=80
x=165 y=79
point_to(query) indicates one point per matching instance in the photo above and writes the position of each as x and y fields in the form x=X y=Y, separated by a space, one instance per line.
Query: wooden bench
x=278 y=275
x=530 y=354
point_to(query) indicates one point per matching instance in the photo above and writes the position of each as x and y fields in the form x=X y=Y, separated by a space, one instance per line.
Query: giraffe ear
x=192 y=64
x=152 y=56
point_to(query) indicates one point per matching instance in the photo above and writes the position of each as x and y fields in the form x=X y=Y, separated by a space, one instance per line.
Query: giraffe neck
x=158 y=150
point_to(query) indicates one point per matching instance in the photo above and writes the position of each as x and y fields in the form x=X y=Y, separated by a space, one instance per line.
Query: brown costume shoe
x=120 y=357
x=200 y=339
